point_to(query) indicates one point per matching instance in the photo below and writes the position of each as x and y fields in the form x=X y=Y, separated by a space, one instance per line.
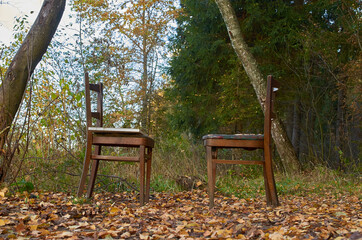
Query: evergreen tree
x=208 y=86
x=312 y=47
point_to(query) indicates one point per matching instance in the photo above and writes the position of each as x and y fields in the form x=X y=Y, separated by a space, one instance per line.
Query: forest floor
x=183 y=215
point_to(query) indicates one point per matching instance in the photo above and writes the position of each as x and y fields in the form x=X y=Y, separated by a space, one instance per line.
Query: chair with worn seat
x=98 y=136
x=213 y=142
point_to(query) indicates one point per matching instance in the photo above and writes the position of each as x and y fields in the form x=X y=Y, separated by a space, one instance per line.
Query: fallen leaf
x=20 y=227
x=275 y=236
x=3 y=192
x=338 y=214
x=144 y=236
x=2 y=222
x=65 y=234
x=33 y=227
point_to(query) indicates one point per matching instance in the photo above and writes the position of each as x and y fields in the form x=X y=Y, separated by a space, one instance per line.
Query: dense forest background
x=169 y=68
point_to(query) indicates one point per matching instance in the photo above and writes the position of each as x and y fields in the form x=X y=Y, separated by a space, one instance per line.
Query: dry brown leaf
x=65 y=234
x=144 y=236
x=20 y=227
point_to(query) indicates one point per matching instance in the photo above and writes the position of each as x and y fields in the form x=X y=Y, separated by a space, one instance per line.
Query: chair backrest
x=272 y=86
x=98 y=88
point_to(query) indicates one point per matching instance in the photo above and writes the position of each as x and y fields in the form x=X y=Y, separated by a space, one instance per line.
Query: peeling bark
x=23 y=64
x=284 y=146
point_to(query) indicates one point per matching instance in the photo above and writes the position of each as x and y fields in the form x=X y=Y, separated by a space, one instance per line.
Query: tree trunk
x=22 y=66
x=284 y=146
x=341 y=130
x=289 y=121
x=296 y=127
x=144 y=81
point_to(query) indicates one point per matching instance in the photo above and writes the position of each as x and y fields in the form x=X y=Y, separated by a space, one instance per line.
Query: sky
x=9 y=9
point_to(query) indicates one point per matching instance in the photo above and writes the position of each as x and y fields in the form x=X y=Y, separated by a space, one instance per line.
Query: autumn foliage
x=170 y=69
x=184 y=215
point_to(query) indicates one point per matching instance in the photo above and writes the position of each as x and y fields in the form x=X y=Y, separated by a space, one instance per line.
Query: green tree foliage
x=208 y=87
x=310 y=46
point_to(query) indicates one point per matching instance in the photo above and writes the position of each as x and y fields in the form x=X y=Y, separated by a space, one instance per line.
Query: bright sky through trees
x=10 y=9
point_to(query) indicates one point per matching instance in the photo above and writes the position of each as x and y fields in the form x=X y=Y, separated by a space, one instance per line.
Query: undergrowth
x=178 y=157
x=317 y=181
x=230 y=183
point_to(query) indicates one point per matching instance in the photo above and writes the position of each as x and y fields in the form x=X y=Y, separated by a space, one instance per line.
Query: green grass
x=160 y=183
x=318 y=181
x=81 y=200
x=239 y=180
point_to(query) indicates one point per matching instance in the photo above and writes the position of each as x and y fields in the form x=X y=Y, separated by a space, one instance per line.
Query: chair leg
x=92 y=179
x=270 y=178
x=211 y=174
x=94 y=171
x=148 y=174
x=142 y=175
x=88 y=152
x=267 y=191
x=214 y=156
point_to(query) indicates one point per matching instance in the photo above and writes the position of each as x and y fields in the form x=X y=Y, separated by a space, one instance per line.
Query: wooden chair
x=99 y=136
x=213 y=142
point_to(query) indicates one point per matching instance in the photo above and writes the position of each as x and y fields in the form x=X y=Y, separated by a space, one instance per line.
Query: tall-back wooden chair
x=98 y=136
x=213 y=142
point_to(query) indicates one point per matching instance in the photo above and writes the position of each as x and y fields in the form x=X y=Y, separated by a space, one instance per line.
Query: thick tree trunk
x=284 y=146
x=23 y=65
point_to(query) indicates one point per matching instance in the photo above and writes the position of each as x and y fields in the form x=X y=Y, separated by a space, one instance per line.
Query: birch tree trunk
x=282 y=142
x=22 y=67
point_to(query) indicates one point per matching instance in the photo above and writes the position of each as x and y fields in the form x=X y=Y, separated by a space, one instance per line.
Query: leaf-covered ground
x=183 y=215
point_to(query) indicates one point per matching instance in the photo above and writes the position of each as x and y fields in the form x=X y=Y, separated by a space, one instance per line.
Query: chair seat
x=126 y=132
x=126 y=137
x=234 y=136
